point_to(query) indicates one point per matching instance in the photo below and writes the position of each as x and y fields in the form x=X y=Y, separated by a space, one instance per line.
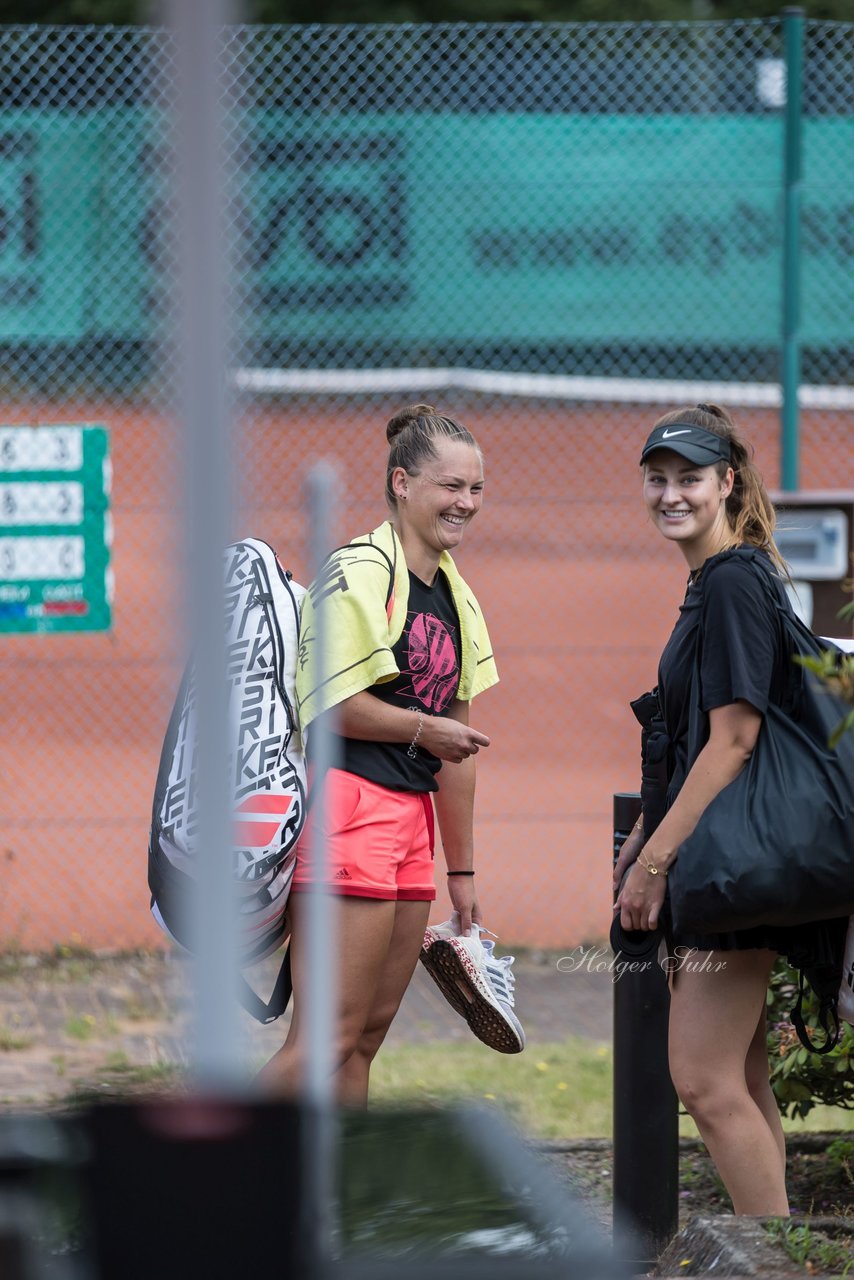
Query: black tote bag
x=775 y=846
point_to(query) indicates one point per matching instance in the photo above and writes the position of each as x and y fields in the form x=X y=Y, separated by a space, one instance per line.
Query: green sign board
x=436 y=227
x=55 y=529
x=466 y=228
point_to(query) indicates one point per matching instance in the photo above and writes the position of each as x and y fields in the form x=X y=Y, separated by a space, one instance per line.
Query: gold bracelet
x=653 y=871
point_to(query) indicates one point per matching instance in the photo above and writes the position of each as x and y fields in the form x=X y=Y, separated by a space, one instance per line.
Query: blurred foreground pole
x=320 y=945
x=202 y=348
x=793 y=37
x=646 y=1116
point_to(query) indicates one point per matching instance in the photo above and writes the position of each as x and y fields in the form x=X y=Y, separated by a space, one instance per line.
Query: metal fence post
x=793 y=37
x=646 y=1117
x=320 y=1125
x=202 y=340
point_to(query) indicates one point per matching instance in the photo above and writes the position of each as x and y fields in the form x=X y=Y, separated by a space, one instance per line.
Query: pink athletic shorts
x=379 y=842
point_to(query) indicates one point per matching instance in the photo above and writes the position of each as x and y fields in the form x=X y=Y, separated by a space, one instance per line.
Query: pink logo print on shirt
x=432 y=662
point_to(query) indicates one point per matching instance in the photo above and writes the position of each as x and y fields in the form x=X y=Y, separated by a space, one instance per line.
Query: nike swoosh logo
x=666 y=435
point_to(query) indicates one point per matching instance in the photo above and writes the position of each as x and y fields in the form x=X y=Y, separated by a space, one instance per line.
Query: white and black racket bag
x=267 y=768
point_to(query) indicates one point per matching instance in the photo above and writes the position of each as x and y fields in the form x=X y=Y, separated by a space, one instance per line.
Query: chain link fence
x=554 y=232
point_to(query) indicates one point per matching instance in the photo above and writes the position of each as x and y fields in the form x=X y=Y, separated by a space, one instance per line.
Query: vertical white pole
x=320 y=949
x=197 y=28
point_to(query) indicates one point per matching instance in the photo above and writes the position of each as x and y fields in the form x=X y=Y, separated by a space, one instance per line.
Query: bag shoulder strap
x=757 y=561
x=827 y=1013
x=803 y=639
x=797 y=638
x=792 y=633
x=278 y=1002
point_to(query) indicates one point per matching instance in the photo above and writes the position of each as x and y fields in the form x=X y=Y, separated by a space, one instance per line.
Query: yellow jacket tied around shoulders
x=363 y=620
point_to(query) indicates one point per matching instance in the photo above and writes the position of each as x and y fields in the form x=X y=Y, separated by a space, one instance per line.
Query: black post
x=646 y=1118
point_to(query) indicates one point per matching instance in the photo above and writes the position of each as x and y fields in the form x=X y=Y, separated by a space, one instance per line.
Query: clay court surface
x=579 y=592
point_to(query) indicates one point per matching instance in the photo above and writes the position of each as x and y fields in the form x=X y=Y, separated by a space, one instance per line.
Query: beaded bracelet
x=412 y=749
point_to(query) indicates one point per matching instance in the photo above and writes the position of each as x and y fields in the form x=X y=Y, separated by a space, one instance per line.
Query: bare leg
x=362 y=932
x=713 y=1024
x=409 y=924
x=759 y=1085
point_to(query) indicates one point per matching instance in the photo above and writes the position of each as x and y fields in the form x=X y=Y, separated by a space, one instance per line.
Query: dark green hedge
x=133 y=11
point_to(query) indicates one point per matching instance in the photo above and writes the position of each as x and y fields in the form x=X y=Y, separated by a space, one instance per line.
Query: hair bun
x=406 y=417
x=716 y=411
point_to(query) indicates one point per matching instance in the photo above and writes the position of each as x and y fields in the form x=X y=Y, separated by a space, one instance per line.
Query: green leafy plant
x=837 y=674
x=800 y=1079
x=840 y=1156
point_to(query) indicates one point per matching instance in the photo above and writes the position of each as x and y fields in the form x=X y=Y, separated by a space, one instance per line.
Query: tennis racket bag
x=266 y=764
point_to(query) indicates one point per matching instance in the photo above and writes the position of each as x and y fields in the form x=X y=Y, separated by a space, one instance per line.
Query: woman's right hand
x=450 y=739
x=632 y=846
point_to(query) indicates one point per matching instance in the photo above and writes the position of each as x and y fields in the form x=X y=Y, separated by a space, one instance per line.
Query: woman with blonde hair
x=704 y=494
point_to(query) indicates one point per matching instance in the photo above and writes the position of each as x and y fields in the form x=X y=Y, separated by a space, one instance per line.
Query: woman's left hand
x=463 y=897
x=641 y=899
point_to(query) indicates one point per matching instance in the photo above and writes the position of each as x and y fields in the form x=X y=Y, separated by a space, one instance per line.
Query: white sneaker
x=475 y=982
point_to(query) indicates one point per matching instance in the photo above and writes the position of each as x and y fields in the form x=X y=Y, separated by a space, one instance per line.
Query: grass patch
x=811 y=1249
x=118 y=1061
x=154 y=1073
x=11 y=1040
x=141 y=1009
x=14 y=961
x=821 y=1120
x=81 y=1026
x=555 y=1090
x=120 y=1078
x=85 y=1026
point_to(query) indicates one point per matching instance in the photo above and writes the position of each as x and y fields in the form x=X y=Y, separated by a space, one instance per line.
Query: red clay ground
x=578 y=591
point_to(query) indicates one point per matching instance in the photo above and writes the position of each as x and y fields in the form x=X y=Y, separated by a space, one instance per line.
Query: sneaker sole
x=449 y=990
x=449 y=984
x=459 y=985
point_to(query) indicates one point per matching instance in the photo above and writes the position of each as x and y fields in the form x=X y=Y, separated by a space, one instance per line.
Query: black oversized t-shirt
x=428 y=661
x=742 y=655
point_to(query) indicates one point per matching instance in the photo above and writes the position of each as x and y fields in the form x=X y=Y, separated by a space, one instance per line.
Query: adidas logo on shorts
x=343 y=874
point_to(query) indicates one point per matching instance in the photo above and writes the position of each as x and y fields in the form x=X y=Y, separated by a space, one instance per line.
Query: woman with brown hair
x=703 y=493
x=408 y=650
